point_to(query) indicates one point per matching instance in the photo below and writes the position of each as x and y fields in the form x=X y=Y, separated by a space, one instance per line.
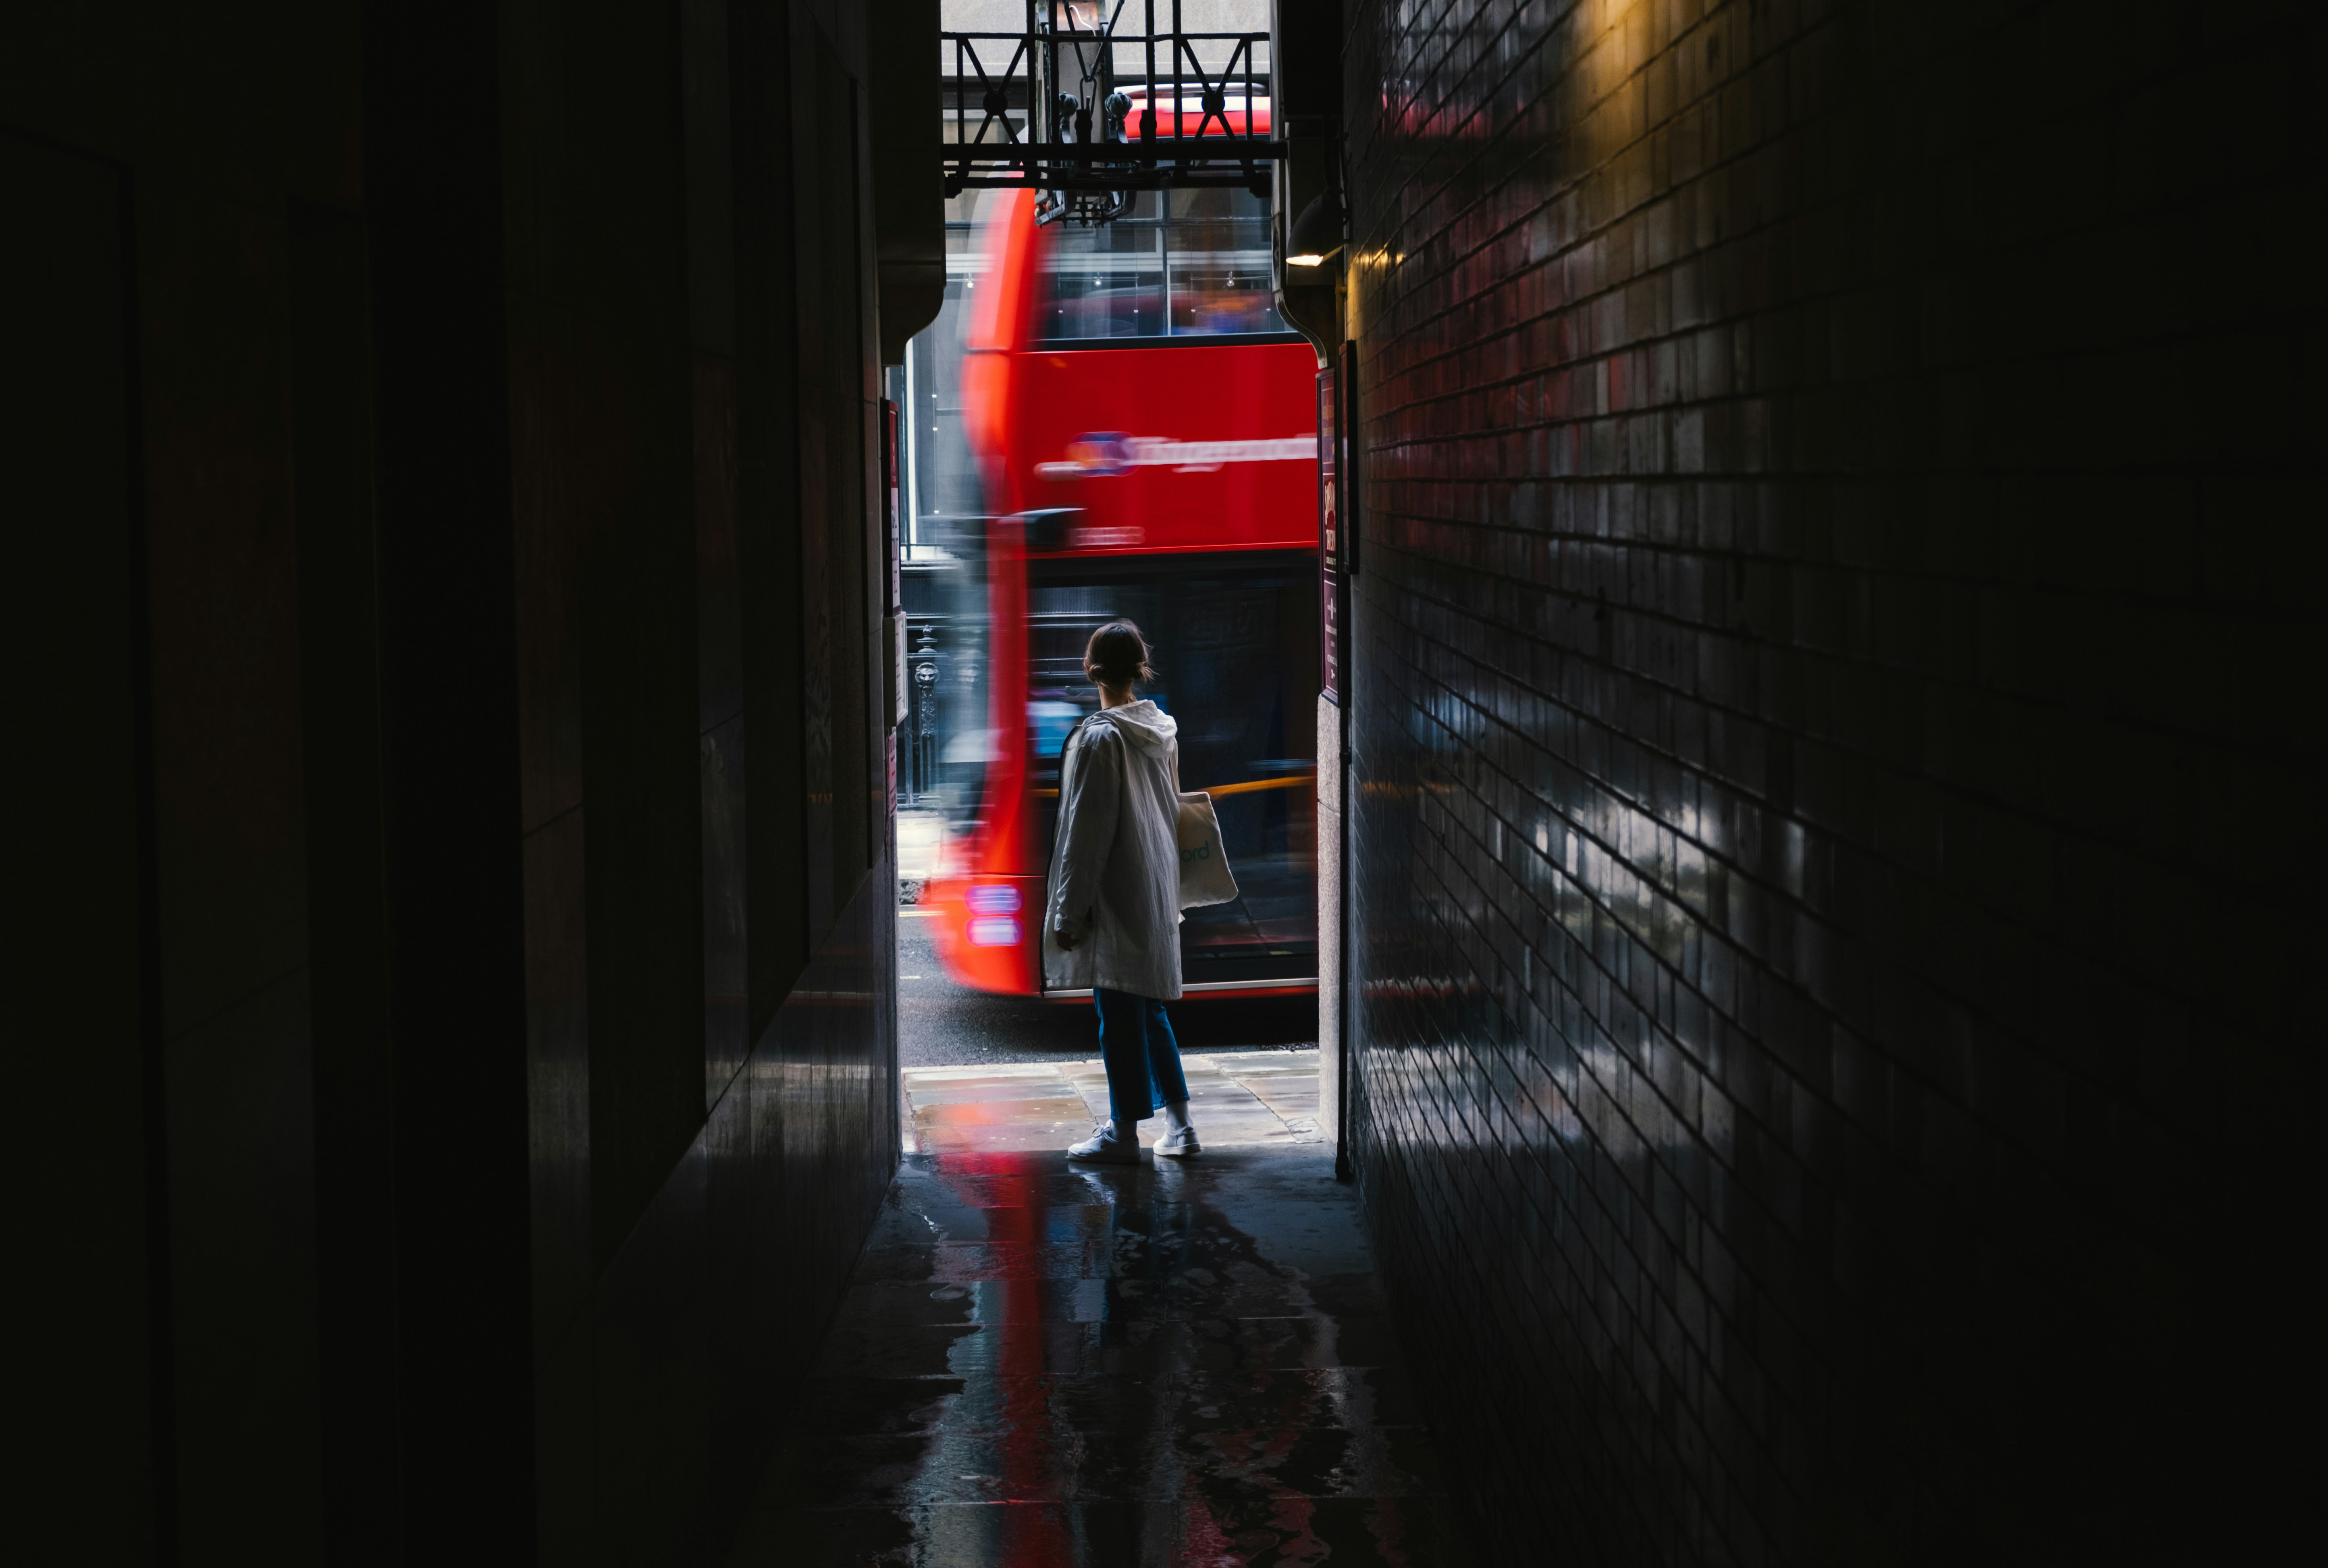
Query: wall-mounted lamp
x=1318 y=232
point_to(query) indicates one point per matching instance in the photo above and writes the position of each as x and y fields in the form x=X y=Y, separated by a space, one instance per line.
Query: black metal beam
x=1163 y=150
x=1052 y=90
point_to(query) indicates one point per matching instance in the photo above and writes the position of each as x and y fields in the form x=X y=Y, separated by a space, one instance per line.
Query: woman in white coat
x=1113 y=922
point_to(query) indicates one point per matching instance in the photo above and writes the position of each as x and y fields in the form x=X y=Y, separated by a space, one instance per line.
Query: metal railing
x=1080 y=108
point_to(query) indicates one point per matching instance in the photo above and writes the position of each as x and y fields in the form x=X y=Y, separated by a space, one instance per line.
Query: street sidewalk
x=1261 y=1097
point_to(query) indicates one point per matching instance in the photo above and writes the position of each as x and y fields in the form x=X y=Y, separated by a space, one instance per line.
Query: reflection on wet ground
x=1040 y=1364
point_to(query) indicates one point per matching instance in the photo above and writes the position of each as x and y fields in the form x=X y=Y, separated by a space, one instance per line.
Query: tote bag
x=1205 y=876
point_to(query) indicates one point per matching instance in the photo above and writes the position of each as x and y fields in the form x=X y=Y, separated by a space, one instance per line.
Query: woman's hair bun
x=1117 y=655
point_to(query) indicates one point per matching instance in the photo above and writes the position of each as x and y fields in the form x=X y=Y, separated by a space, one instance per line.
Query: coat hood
x=1144 y=724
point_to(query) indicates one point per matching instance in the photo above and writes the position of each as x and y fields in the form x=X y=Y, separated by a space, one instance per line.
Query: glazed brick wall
x=1837 y=822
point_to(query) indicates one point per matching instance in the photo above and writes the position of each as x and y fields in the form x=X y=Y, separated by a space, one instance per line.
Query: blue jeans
x=1143 y=1059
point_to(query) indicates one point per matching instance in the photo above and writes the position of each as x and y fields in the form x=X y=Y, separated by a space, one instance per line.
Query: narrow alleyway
x=1042 y=1364
x=1745 y=582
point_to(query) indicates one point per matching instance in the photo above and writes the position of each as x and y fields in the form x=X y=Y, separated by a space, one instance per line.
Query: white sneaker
x=1180 y=1145
x=1104 y=1147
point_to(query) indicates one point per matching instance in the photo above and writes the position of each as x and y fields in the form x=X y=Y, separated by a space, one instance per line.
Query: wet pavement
x=1167 y=1364
x=1266 y=1098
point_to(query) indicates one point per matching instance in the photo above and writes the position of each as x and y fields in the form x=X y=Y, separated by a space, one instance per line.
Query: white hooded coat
x=1115 y=863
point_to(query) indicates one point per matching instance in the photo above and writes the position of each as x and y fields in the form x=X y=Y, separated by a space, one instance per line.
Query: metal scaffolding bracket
x=1087 y=114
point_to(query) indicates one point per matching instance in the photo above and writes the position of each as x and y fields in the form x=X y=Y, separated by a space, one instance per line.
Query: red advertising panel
x=1180 y=449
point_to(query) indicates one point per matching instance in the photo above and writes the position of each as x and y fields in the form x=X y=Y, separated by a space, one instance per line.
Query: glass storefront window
x=949 y=739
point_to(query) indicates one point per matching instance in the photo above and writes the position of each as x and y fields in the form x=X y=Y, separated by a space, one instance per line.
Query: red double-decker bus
x=1146 y=430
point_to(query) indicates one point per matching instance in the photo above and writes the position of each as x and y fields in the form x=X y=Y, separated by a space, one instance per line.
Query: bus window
x=1219 y=272
x=1183 y=263
x=1235 y=666
x=1106 y=282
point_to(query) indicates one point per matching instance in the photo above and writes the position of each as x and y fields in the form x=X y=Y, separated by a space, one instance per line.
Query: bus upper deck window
x=1183 y=263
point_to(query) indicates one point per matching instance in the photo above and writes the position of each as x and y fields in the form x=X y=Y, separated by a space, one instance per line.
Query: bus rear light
x=995 y=899
x=994 y=931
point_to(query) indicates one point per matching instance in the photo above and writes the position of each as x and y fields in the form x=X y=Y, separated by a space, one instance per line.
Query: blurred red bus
x=1146 y=432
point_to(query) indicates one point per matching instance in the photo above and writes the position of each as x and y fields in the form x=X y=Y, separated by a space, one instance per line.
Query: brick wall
x=1837 y=787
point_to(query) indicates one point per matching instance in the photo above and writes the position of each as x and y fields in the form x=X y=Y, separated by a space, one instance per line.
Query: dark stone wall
x=1837 y=766
x=456 y=1071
